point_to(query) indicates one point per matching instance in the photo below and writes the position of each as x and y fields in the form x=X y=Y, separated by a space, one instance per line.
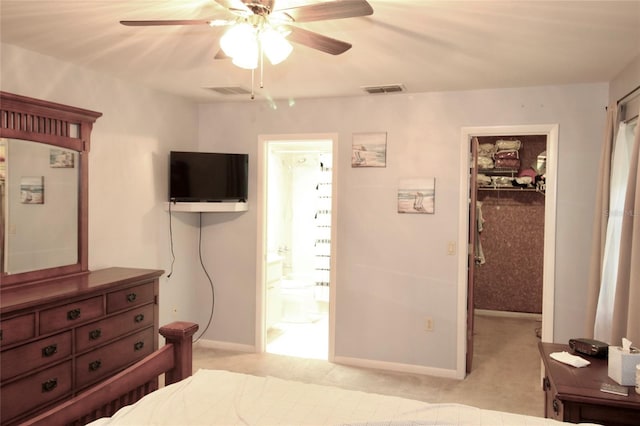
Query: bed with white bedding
x=216 y=397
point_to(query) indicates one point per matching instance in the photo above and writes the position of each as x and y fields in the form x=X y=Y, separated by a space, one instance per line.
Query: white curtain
x=618 y=186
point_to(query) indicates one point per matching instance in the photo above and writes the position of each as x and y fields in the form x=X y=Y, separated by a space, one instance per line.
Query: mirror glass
x=39 y=186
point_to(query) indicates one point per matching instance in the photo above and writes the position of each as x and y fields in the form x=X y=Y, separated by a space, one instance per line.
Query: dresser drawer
x=35 y=355
x=17 y=329
x=105 y=360
x=93 y=334
x=129 y=297
x=33 y=391
x=70 y=314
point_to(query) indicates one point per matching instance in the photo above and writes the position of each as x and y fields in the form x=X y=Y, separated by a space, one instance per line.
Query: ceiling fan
x=264 y=15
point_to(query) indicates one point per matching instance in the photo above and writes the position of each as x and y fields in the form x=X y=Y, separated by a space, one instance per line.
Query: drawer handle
x=0 y=335
x=139 y=318
x=95 y=334
x=546 y=385
x=131 y=297
x=49 y=385
x=556 y=406
x=138 y=345
x=73 y=314
x=95 y=365
x=49 y=350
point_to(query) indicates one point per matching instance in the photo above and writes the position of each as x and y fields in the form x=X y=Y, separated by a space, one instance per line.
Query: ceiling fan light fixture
x=275 y=46
x=237 y=39
x=247 y=60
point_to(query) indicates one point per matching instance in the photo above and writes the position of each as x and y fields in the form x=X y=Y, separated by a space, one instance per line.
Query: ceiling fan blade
x=318 y=41
x=221 y=55
x=150 y=23
x=328 y=10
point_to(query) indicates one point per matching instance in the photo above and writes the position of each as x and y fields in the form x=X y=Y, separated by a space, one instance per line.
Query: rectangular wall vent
x=230 y=90
x=388 y=88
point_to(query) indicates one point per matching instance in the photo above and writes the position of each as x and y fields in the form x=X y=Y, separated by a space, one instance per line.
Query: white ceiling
x=426 y=45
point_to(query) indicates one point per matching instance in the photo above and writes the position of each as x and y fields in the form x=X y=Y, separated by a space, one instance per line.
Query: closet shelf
x=499 y=171
x=509 y=189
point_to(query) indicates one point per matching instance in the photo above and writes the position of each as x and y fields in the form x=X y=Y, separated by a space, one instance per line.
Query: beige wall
x=128 y=166
x=393 y=270
x=627 y=80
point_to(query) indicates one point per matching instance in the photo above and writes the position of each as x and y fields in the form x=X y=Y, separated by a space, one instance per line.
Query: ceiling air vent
x=230 y=90
x=389 y=88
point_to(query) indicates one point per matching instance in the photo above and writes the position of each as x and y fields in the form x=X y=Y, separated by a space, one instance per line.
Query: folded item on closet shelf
x=507 y=144
x=506 y=163
x=501 y=181
x=528 y=172
x=507 y=153
x=483 y=179
x=524 y=180
x=485 y=162
x=486 y=149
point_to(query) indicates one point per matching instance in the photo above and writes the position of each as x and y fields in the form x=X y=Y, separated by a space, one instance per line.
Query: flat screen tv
x=208 y=177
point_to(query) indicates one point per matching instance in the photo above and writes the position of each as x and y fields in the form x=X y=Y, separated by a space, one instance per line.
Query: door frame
x=548 y=278
x=261 y=250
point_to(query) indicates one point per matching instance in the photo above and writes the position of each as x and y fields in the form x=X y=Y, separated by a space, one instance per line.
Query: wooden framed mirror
x=44 y=150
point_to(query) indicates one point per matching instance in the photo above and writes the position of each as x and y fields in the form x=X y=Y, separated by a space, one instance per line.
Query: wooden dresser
x=574 y=395
x=60 y=336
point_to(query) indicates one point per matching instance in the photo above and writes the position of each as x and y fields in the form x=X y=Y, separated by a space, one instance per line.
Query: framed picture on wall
x=32 y=190
x=369 y=150
x=417 y=196
x=61 y=158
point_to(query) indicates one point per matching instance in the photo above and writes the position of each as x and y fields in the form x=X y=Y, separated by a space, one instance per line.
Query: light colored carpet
x=505 y=375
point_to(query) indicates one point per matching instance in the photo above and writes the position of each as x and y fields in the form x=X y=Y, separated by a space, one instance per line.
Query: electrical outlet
x=428 y=324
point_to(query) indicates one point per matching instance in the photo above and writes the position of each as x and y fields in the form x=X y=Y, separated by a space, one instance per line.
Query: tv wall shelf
x=207 y=207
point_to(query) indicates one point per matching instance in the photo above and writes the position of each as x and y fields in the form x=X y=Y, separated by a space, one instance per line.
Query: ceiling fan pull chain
x=253 y=95
x=261 y=67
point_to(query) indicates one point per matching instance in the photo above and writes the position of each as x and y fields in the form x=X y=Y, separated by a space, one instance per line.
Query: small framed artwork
x=61 y=158
x=369 y=150
x=417 y=196
x=32 y=190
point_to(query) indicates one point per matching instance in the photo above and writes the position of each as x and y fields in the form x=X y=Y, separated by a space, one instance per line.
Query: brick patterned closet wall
x=513 y=242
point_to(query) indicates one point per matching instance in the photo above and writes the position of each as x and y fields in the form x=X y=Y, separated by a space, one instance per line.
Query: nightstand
x=574 y=395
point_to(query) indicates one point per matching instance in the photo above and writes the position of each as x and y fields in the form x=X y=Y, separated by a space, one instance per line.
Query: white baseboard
x=227 y=346
x=507 y=314
x=401 y=368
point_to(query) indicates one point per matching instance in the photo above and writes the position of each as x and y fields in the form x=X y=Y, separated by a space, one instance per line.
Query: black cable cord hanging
x=173 y=256
x=213 y=299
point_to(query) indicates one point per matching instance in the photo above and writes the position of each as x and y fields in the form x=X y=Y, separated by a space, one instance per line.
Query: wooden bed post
x=179 y=334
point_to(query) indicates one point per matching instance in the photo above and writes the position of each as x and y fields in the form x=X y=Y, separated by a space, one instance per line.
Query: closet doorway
x=297 y=200
x=509 y=218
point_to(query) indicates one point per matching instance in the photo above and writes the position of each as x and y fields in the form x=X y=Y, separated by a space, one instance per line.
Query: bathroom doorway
x=297 y=216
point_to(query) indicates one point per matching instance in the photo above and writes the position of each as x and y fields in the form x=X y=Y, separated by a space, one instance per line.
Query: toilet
x=298 y=301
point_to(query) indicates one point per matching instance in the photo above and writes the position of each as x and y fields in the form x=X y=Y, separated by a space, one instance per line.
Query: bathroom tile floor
x=304 y=340
x=506 y=371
